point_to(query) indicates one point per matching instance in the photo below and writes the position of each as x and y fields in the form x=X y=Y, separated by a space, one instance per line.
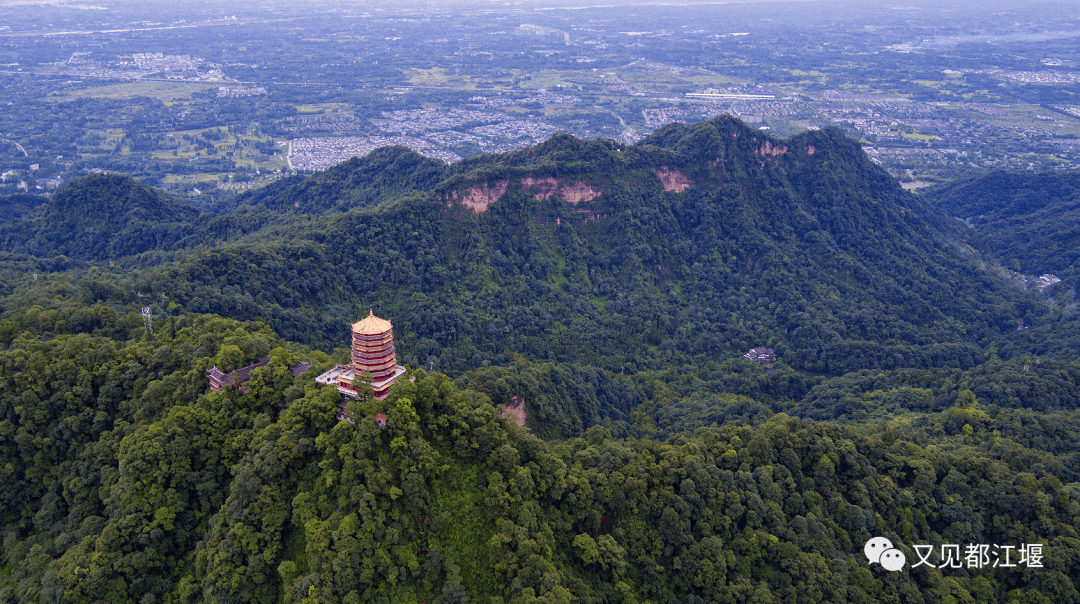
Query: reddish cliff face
x=673 y=180
x=572 y=192
x=515 y=411
x=543 y=187
x=768 y=150
x=477 y=197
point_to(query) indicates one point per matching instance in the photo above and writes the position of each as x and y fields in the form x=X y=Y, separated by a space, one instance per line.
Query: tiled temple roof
x=371 y=325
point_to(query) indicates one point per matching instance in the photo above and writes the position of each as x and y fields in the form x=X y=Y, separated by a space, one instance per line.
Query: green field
x=163 y=91
x=439 y=76
x=323 y=108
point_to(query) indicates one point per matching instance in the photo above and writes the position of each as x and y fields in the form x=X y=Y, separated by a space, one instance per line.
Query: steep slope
x=699 y=242
x=126 y=480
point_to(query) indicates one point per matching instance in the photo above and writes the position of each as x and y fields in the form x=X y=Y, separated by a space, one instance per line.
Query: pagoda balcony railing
x=377 y=377
x=372 y=340
x=382 y=358
x=375 y=339
x=349 y=392
x=358 y=346
x=374 y=358
x=374 y=365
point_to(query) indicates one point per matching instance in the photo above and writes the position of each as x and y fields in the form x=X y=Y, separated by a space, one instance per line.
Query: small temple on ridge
x=373 y=353
x=221 y=381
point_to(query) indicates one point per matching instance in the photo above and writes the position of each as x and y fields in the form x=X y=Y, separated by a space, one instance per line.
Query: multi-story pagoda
x=373 y=358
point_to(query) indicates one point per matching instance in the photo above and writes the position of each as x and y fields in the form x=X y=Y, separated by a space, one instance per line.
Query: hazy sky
x=917 y=8
x=384 y=4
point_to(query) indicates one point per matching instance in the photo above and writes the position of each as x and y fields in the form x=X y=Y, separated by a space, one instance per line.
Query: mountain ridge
x=722 y=240
x=697 y=243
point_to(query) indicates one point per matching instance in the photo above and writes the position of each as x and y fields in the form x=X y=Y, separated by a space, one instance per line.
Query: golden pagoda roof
x=371 y=325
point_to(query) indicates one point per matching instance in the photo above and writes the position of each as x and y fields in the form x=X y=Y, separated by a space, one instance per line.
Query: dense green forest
x=128 y=481
x=802 y=245
x=1027 y=220
x=613 y=289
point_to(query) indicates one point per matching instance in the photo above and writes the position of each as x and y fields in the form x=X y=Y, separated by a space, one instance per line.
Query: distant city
x=207 y=104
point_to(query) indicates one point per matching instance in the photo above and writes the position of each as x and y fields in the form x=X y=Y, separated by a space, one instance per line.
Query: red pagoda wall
x=374 y=354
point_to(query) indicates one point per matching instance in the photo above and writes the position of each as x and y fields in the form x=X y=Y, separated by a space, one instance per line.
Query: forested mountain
x=125 y=481
x=696 y=243
x=384 y=174
x=102 y=216
x=1031 y=222
x=13 y=207
x=608 y=290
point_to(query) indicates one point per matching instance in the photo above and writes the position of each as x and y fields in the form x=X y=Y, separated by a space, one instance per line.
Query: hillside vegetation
x=610 y=289
x=697 y=243
x=1029 y=221
x=128 y=482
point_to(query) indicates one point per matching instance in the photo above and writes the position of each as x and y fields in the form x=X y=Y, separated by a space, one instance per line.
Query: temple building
x=373 y=358
x=762 y=355
x=221 y=381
